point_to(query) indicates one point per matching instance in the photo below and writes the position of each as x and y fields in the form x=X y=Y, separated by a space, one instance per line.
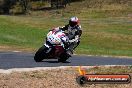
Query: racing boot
x=69 y=52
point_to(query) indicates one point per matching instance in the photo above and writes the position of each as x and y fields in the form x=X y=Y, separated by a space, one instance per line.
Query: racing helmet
x=73 y=21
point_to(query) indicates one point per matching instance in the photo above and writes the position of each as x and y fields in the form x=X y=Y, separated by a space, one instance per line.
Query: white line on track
x=8 y=71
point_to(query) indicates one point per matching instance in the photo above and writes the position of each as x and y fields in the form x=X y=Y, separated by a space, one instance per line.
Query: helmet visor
x=72 y=24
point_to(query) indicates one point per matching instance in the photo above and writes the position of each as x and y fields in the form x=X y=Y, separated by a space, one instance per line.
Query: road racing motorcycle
x=54 y=47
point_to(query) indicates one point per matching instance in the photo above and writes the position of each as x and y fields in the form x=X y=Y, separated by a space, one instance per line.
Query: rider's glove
x=76 y=39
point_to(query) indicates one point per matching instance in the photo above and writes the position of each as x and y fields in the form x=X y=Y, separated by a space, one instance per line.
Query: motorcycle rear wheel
x=63 y=57
x=40 y=54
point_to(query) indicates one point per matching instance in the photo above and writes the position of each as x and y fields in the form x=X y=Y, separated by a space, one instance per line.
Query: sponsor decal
x=102 y=78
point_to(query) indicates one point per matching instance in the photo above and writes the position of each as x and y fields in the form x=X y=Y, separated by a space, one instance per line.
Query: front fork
x=48 y=48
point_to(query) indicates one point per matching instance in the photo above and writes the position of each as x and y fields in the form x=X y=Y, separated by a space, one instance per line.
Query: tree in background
x=6 y=5
x=59 y=3
x=25 y=4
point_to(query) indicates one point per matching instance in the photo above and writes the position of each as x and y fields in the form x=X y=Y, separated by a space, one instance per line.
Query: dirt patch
x=15 y=49
x=60 y=78
x=4 y=48
x=53 y=78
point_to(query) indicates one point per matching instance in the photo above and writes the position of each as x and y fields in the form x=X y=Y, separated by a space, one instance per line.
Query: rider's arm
x=78 y=34
x=64 y=28
x=55 y=29
x=65 y=41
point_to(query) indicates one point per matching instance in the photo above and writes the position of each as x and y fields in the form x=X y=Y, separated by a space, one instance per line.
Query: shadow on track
x=56 y=62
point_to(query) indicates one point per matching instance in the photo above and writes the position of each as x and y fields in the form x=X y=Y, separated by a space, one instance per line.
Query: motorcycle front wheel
x=40 y=54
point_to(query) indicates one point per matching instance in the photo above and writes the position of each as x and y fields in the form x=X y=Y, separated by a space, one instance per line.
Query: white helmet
x=73 y=21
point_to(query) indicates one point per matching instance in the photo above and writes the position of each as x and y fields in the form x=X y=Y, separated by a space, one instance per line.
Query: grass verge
x=107 y=28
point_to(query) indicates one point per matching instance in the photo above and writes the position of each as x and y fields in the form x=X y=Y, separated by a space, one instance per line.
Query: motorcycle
x=54 y=47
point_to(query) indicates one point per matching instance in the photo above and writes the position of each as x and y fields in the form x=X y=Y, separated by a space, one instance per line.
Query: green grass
x=108 y=39
x=17 y=34
x=107 y=30
x=24 y=32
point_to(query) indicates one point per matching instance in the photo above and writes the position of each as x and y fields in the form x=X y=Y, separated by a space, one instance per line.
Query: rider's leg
x=72 y=47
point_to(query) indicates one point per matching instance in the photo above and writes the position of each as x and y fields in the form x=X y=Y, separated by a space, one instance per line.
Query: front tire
x=40 y=54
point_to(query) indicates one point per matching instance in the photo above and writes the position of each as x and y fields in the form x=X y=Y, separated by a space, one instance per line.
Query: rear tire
x=40 y=54
x=63 y=57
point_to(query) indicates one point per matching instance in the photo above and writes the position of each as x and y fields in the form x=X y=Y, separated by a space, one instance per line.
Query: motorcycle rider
x=73 y=31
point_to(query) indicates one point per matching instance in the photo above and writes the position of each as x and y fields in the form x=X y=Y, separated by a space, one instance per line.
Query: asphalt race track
x=9 y=60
